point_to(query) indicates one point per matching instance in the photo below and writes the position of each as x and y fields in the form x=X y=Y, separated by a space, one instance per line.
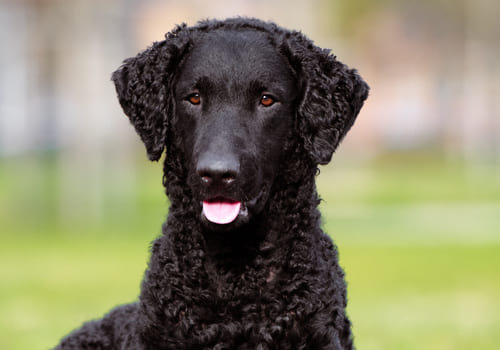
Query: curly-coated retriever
x=245 y=111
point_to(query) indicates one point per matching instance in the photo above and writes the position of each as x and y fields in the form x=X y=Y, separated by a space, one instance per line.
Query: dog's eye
x=194 y=99
x=267 y=100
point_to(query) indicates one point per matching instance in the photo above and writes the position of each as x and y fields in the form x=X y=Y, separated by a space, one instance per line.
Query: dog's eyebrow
x=202 y=83
x=258 y=86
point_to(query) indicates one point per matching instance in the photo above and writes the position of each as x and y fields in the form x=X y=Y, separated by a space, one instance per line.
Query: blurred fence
x=432 y=67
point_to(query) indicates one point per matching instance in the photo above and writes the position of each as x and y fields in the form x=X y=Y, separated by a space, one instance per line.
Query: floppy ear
x=143 y=84
x=332 y=96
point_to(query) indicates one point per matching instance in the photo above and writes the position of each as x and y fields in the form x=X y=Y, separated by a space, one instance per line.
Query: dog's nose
x=218 y=171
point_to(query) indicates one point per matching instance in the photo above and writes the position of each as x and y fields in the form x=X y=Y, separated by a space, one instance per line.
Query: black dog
x=245 y=112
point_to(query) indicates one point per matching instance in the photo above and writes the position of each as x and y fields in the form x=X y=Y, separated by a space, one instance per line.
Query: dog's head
x=233 y=98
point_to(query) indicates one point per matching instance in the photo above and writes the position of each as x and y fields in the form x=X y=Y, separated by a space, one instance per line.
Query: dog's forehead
x=235 y=55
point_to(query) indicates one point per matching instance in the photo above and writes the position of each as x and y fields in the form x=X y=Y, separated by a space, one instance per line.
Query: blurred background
x=412 y=196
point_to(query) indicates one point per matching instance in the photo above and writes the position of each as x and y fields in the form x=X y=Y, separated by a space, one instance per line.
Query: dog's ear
x=332 y=96
x=143 y=84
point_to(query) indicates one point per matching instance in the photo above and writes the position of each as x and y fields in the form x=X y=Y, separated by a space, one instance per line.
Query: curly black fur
x=276 y=283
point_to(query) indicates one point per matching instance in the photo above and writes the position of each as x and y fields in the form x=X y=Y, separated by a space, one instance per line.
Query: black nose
x=218 y=171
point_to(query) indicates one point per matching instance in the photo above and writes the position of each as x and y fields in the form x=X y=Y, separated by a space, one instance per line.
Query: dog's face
x=234 y=99
x=226 y=98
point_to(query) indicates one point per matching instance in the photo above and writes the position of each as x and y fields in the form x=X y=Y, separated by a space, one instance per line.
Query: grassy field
x=419 y=239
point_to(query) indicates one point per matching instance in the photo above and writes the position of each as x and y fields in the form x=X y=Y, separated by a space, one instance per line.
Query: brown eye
x=194 y=98
x=266 y=100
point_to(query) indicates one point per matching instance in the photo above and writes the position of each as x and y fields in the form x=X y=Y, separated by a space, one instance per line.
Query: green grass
x=51 y=285
x=400 y=296
x=419 y=239
x=424 y=297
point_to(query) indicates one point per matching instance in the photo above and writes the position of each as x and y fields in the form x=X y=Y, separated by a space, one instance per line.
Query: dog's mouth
x=221 y=211
x=224 y=211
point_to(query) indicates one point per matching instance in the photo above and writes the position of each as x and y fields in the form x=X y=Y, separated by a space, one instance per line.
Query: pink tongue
x=221 y=212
